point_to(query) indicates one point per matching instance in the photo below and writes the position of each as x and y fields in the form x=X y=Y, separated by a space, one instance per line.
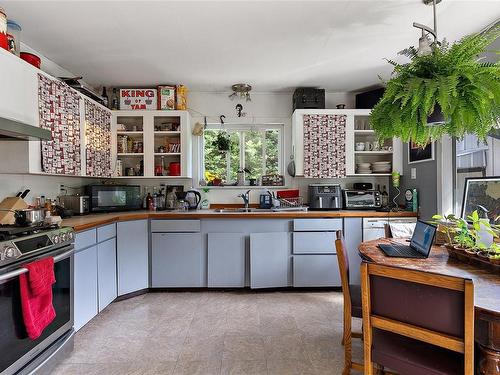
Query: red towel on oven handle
x=36 y=296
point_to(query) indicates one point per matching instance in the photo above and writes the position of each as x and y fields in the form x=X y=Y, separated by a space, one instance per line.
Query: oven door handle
x=22 y=270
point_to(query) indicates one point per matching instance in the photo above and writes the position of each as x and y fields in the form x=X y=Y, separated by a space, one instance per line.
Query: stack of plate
x=363 y=168
x=382 y=167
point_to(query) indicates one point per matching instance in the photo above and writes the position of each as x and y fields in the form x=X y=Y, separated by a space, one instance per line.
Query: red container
x=174 y=169
x=32 y=59
x=4 y=41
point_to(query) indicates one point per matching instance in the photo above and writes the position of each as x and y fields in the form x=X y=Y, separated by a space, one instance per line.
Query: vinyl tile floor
x=214 y=333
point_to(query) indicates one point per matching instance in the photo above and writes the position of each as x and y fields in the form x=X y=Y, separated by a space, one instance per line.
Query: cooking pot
x=29 y=216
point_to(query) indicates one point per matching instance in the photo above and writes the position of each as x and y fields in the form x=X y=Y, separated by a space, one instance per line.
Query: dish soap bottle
x=205 y=200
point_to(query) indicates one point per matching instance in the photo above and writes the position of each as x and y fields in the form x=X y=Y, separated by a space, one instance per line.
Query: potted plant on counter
x=468 y=240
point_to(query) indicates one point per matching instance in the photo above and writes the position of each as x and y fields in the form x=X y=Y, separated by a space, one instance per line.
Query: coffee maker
x=325 y=197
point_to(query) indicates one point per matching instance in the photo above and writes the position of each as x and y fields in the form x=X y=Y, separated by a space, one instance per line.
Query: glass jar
x=14 y=30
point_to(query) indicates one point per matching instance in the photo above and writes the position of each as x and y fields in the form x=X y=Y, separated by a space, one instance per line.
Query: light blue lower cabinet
x=176 y=260
x=106 y=273
x=132 y=256
x=226 y=260
x=269 y=259
x=315 y=271
x=85 y=286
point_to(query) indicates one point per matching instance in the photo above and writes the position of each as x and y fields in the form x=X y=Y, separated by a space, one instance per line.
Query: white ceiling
x=209 y=45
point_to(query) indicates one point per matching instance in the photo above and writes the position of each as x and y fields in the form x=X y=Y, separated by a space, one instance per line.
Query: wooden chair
x=352 y=305
x=417 y=322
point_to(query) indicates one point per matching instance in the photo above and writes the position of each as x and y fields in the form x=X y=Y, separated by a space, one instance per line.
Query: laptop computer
x=420 y=244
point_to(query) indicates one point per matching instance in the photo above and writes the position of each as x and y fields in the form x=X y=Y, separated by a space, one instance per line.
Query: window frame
x=239 y=128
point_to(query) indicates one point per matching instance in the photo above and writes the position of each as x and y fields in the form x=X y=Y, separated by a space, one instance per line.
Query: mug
x=368 y=146
x=360 y=146
x=376 y=146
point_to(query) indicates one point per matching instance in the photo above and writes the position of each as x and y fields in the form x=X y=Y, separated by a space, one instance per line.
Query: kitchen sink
x=279 y=209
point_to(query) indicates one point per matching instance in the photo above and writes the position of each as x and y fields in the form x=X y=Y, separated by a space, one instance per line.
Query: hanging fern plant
x=451 y=79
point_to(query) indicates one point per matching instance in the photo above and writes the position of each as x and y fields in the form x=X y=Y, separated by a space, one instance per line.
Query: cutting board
x=10 y=203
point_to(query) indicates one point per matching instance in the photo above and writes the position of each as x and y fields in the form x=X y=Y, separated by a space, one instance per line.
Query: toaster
x=79 y=204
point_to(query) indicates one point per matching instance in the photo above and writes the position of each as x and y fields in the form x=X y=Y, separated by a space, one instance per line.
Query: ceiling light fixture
x=242 y=90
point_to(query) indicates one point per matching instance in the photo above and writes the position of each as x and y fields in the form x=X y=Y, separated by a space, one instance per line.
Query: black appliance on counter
x=19 y=246
x=108 y=198
x=308 y=98
x=325 y=197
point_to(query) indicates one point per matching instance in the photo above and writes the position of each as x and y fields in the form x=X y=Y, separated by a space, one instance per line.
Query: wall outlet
x=413 y=173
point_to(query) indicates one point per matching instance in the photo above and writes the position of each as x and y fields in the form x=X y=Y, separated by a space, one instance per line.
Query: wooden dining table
x=486 y=293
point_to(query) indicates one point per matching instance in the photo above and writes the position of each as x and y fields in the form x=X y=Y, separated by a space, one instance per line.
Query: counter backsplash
x=49 y=186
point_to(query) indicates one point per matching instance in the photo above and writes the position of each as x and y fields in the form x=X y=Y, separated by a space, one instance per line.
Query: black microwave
x=107 y=198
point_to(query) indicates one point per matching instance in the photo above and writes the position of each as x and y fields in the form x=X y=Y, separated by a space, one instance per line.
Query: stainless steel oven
x=18 y=353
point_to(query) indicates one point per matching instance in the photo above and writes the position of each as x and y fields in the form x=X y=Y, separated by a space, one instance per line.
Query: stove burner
x=9 y=232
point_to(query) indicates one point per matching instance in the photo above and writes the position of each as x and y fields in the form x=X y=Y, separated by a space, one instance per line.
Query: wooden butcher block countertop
x=84 y=222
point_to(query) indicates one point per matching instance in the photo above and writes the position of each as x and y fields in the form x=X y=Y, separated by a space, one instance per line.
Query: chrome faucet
x=246 y=198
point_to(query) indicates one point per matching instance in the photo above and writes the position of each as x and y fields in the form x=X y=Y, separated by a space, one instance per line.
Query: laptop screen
x=423 y=236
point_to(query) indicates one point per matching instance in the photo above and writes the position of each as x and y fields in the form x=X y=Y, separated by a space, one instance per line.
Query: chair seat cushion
x=412 y=357
x=356 y=310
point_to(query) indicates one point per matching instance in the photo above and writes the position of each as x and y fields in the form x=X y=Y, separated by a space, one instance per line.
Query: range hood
x=15 y=130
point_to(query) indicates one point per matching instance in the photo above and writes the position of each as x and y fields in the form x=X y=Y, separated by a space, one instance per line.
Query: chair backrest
x=343 y=261
x=428 y=307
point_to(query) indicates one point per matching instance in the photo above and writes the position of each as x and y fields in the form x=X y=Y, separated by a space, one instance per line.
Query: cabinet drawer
x=314 y=242
x=106 y=232
x=315 y=271
x=85 y=239
x=175 y=225
x=316 y=225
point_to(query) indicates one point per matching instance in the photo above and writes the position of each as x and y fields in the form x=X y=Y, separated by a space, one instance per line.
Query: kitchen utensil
x=29 y=216
x=25 y=193
x=360 y=146
x=31 y=59
x=193 y=198
x=7 y=207
x=291 y=165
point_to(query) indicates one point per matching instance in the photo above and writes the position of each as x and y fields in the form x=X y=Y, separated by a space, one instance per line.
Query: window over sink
x=258 y=149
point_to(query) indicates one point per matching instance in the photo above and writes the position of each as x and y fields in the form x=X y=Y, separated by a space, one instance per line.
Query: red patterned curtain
x=324 y=146
x=59 y=112
x=98 y=136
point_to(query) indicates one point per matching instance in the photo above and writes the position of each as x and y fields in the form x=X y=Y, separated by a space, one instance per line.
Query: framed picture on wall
x=418 y=154
x=482 y=194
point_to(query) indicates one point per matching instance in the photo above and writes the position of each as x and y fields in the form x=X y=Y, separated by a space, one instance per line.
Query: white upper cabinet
x=357 y=131
x=147 y=142
x=19 y=100
x=18 y=89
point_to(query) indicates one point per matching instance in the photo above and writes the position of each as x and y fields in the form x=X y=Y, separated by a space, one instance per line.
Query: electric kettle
x=193 y=198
